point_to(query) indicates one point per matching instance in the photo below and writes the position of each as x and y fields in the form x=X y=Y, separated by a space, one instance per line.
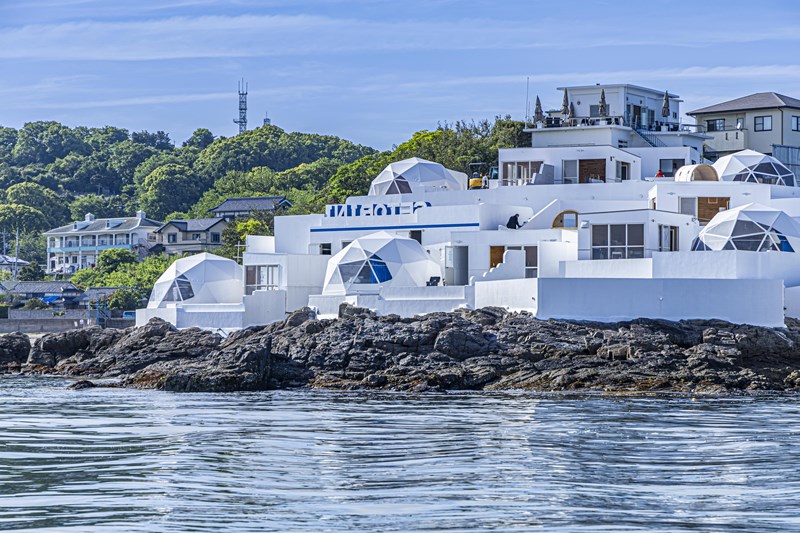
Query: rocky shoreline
x=485 y=349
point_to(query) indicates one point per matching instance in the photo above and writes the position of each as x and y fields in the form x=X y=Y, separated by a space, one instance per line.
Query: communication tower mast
x=267 y=120
x=242 y=122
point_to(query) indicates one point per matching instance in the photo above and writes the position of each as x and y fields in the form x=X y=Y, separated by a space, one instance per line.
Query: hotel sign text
x=373 y=210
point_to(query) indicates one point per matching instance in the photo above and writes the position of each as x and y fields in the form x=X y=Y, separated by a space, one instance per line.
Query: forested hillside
x=51 y=174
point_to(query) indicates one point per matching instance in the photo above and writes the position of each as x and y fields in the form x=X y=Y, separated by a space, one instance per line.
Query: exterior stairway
x=649 y=138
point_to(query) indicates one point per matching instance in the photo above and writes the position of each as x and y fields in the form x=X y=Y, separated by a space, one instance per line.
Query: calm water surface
x=120 y=460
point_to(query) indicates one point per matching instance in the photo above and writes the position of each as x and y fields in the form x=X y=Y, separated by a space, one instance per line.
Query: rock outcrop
x=487 y=349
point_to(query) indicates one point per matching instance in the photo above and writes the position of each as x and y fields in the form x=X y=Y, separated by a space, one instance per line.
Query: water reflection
x=322 y=461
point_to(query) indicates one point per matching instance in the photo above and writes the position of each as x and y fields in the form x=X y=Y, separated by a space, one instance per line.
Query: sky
x=373 y=71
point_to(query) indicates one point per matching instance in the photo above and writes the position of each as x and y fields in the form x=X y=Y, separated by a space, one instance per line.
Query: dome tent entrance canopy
x=751 y=227
x=754 y=167
x=416 y=175
x=379 y=260
x=199 y=279
x=701 y=172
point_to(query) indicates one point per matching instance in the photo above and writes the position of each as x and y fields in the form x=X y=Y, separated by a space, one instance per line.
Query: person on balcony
x=513 y=222
x=659 y=174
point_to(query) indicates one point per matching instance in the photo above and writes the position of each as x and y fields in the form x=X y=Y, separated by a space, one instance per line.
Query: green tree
x=8 y=138
x=99 y=206
x=41 y=198
x=125 y=157
x=124 y=299
x=111 y=260
x=199 y=139
x=169 y=188
x=31 y=272
x=105 y=137
x=158 y=140
x=44 y=142
x=35 y=304
x=13 y=216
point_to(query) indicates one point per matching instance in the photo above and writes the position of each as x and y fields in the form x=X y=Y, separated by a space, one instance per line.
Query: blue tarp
x=49 y=299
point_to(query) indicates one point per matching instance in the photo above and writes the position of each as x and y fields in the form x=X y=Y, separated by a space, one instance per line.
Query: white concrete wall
x=758 y=302
x=514 y=295
x=264 y=307
x=551 y=255
x=205 y=316
x=617 y=268
x=512 y=267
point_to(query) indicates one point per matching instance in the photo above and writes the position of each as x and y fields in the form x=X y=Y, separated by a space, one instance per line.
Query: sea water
x=125 y=460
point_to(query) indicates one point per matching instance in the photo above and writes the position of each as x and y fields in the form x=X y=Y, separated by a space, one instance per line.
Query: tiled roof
x=10 y=260
x=192 y=224
x=98 y=225
x=252 y=203
x=38 y=287
x=753 y=101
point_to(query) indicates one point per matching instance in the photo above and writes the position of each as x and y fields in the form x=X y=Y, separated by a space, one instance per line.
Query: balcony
x=728 y=140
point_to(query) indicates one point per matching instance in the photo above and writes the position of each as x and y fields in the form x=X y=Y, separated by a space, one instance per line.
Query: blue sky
x=373 y=71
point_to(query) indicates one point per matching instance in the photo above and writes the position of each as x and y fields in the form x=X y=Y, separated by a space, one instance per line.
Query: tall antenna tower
x=242 y=122
x=267 y=120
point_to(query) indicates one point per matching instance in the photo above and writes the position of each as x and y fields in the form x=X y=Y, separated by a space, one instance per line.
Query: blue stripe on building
x=378 y=228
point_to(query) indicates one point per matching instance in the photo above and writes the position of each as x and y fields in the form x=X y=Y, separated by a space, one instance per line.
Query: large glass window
x=688 y=206
x=718 y=124
x=763 y=123
x=617 y=241
x=531 y=261
x=262 y=278
x=570 y=170
x=795 y=123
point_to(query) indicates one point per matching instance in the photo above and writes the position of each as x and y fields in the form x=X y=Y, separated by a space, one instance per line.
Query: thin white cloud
x=282 y=35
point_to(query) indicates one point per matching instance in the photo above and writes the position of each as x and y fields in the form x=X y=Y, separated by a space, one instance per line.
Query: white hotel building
x=601 y=237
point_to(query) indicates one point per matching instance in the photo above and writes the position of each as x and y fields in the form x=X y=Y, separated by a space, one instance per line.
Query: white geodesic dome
x=754 y=167
x=379 y=260
x=199 y=279
x=751 y=227
x=417 y=175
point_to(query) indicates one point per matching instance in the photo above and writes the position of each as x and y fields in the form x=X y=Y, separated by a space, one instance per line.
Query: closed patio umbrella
x=571 y=111
x=565 y=104
x=665 y=107
x=603 y=111
x=538 y=115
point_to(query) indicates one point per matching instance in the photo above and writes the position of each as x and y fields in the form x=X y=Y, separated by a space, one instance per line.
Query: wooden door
x=496 y=255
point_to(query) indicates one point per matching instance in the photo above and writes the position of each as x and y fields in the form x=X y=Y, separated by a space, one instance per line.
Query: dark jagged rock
x=14 y=350
x=484 y=349
x=82 y=384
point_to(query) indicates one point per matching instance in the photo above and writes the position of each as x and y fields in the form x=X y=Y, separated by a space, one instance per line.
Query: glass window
x=600 y=235
x=172 y=238
x=688 y=206
x=325 y=248
x=617 y=234
x=618 y=241
x=570 y=170
x=763 y=123
x=195 y=236
x=635 y=235
x=215 y=237
x=795 y=123
x=718 y=124
x=262 y=277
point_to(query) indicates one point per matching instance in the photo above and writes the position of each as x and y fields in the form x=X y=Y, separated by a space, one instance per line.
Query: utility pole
x=16 y=253
x=242 y=122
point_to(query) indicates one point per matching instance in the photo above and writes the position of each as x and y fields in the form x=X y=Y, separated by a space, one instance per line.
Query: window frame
x=607 y=250
x=718 y=124
x=795 y=123
x=763 y=119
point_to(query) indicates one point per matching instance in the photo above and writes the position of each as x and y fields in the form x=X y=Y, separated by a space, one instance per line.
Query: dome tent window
x=181 y=290
x=399 y=186
x=752 y=228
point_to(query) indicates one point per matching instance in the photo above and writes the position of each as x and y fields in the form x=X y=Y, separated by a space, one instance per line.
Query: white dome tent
x=198 y=279
x=377 y=260
x=416 y=175
x=751 y=227
x=754 y=167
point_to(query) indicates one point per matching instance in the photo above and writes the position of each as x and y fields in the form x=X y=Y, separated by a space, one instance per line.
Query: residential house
x=76 y=246
x=190 y=236
x=240 y=207
x=757 y=122
x=9 y=263
x=55 y=293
